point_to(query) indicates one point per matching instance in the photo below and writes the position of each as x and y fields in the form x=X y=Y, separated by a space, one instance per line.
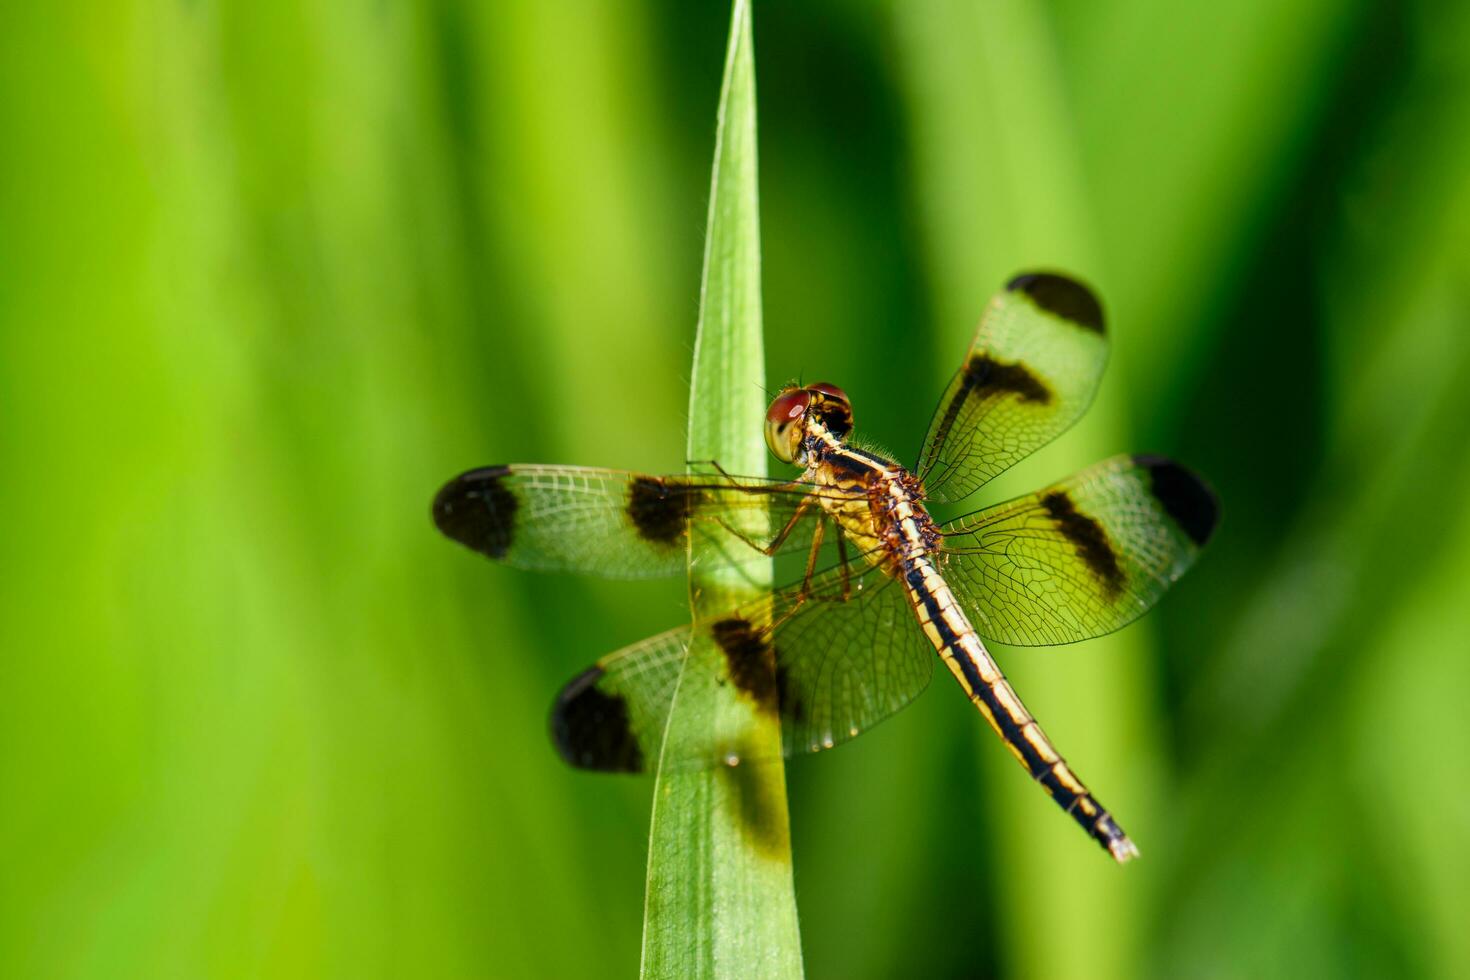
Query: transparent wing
x=615 y=523
x=1031 y=372
x=1081 y=558
x=830 y=667
x=844 y=666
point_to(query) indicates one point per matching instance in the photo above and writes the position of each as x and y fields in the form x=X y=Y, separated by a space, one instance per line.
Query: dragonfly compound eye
x=783 y=422
x=830 y=390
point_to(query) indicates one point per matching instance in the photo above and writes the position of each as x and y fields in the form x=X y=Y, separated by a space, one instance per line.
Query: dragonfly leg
x=843 y=568
x=805 y=592
x=811 y=558
x=713 y=464
x=735 y=483
x=781 y=536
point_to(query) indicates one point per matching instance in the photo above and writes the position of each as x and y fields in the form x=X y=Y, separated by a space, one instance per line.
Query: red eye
x=830 y=390
x=788 y=406
x=783 y=430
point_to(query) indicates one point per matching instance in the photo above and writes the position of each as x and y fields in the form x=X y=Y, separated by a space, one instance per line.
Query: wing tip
x=591 y=729
x=477 y=510
x=1188 y=499
x=1062 y=296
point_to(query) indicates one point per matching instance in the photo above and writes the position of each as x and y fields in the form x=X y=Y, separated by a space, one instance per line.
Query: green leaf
x=720 y=895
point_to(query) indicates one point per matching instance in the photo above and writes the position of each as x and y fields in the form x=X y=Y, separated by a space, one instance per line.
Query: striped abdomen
x=972 y=665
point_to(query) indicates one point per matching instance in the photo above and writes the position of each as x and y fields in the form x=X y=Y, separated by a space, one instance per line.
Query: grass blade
x=720 y=898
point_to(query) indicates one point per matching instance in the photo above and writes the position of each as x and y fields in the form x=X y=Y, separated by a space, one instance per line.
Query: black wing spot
x=750 y=659
x=1087 y=537
x=478 y=510
x=591 y=728
x=1187 y=498
x=984 y=374
x=1061 y=296
x=660 y=510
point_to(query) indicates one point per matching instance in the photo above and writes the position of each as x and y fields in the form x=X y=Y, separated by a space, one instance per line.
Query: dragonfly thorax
x=879 y=506
x=907 y=530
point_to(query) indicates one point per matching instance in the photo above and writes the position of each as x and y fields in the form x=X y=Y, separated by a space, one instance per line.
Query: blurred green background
x=270 y=272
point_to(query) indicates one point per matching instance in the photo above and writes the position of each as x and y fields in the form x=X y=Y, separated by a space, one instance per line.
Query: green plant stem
x=720 y=898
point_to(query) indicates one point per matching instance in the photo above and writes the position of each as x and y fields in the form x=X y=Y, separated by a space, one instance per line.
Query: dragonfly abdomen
x=962 y=651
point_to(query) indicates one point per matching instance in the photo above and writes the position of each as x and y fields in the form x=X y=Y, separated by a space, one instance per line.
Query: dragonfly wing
x=614 y=523
x=611 y=717
x=1081 y=558
x=843 y=666
x=830 y=668
x=1031 y=372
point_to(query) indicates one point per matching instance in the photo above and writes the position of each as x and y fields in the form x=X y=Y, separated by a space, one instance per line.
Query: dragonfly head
x=797 y=414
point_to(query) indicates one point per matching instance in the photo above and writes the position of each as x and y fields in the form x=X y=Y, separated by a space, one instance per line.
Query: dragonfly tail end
x=1122 y=849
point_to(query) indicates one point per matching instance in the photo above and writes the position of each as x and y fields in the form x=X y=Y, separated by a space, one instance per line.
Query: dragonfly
x=853 y=641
